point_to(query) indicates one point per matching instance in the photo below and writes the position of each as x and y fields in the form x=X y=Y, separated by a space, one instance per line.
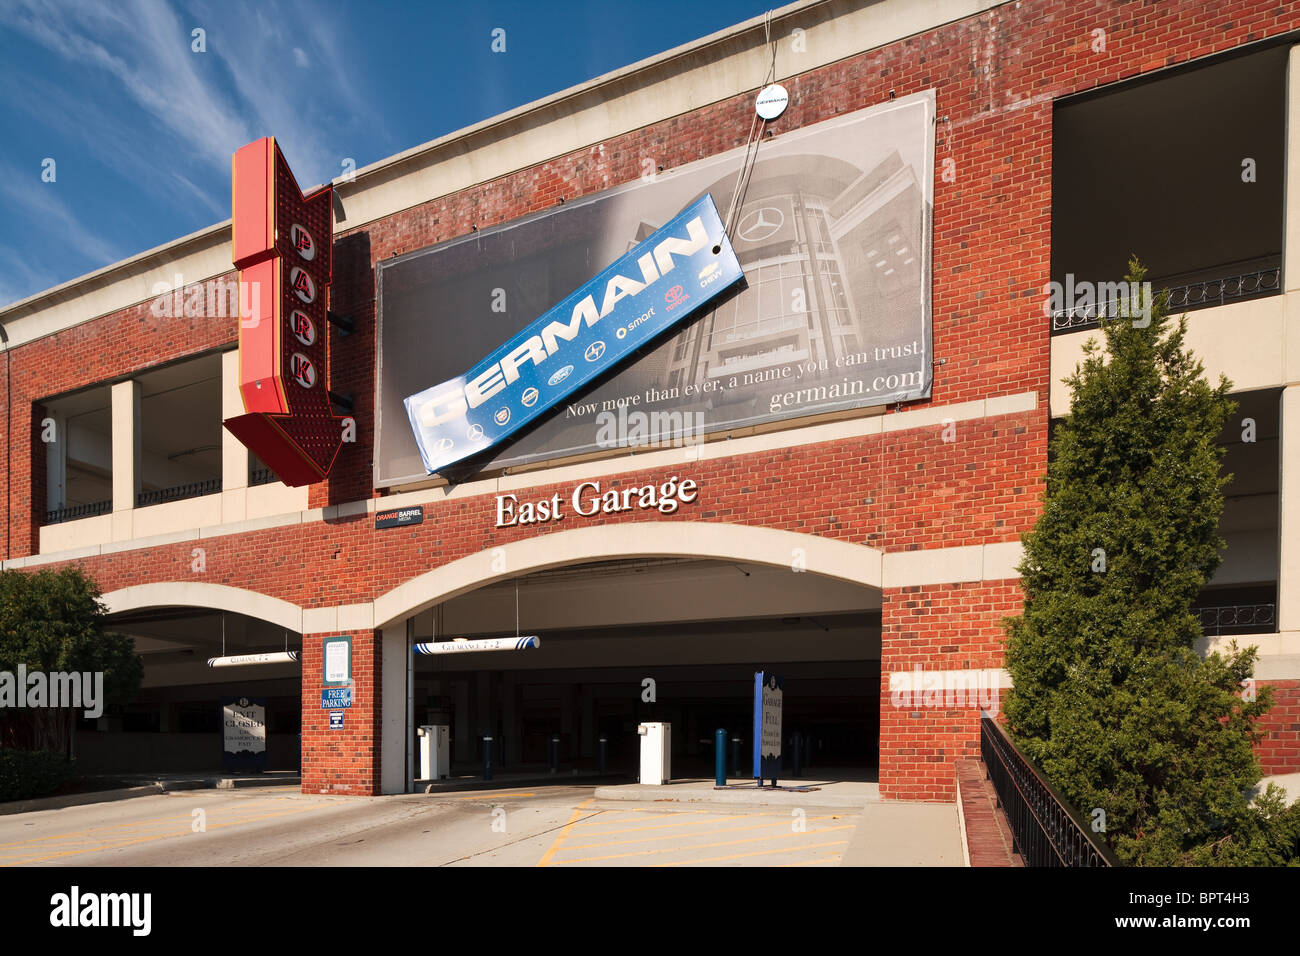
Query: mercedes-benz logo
x=594 y=351
x=761 y=223
x=475 y=432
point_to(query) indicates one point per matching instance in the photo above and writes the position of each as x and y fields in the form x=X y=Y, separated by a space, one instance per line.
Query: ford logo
x=560 y=376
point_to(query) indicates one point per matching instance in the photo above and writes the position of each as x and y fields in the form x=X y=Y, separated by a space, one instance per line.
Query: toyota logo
x=761 y=224
x=594 y=351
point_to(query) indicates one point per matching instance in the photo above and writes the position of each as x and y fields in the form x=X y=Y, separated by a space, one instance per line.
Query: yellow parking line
x=577 y=812
x=589 y=831
x=704 y=846
x=738 y=856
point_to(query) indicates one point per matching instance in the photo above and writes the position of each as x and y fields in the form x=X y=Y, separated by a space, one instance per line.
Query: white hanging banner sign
x=241 y=660
x=486 y=644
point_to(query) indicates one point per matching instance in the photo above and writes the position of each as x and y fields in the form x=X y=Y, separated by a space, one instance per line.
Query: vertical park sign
x=282 y=244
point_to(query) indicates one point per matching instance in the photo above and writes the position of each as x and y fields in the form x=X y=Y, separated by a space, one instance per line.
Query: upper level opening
x=1186 y=170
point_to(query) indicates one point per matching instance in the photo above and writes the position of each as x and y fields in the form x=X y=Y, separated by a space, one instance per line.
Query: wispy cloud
x=38 y=201
x=146 y=49
x=255 y=77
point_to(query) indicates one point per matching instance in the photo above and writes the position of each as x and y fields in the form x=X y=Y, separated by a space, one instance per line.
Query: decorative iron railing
x=1045 y=829
x=1182 y=298
x=261 y=476
x=73 y=512
x=1228 y=619
x=179 y=492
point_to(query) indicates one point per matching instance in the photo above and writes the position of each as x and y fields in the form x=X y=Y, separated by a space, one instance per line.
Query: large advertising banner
x=661 y=281
x=833 y=237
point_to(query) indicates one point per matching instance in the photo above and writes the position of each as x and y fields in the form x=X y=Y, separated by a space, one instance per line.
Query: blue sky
x=141 y=127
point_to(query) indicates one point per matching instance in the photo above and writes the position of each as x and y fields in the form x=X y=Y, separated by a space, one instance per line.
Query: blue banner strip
x=679 y=268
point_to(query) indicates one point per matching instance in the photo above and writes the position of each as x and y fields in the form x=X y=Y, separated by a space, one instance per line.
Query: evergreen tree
x=1110 y=698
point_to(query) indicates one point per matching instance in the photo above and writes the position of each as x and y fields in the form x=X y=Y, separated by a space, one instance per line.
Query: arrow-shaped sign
x=282 y=243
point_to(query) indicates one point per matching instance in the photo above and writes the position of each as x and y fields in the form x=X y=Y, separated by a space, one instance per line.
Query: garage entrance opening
x=174 y=723
x=677 y=640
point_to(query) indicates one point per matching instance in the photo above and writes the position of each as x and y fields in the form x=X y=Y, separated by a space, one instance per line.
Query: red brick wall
x=342 y=761
x=996 y=75
x=942 y=627
x=1280 y=750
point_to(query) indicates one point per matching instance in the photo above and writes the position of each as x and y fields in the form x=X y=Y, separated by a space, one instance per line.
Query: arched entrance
x=652 y=621
x=174 y=723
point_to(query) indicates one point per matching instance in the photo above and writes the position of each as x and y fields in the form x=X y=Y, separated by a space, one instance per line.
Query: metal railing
x=261 y=476
x=1045 y=829
x=179 y=492
x=1228 y=619
x=73 y=512
x=1182 y=298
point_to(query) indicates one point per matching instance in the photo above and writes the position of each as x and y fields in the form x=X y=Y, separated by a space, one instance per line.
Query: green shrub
x=31 y=773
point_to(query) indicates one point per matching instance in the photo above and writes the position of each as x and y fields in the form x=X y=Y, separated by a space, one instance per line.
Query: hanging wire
x=752 y=141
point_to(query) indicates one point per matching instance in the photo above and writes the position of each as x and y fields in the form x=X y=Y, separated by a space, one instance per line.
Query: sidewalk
x=126 y=786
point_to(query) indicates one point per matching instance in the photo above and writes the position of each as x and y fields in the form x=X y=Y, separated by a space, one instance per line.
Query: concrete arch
x=199 y=594
x=856 y=564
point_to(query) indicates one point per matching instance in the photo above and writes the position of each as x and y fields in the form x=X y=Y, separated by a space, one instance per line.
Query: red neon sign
x=282 y=241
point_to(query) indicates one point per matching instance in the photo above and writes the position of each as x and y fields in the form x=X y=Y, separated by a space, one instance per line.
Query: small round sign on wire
x=771 y=101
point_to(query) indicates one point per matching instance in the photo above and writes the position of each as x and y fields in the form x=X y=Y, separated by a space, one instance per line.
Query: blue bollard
x=720 y=758
x=487 y=757
x=602 y=754
x=796 y=748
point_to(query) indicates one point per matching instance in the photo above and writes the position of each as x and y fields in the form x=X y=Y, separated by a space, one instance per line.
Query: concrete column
x=1288 y=576
x=508 y=692
x=395 y=657
x=587 y=703
x=126 y=455
x=484 y=724
x=464 y=732
x=56 y=463
x=234 y=456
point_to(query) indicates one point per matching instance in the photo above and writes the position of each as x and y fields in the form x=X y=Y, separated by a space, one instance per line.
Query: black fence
x=1045 y=829
x=1228 y=619
x=73 y=512
x=1182 y=298
x=178 y=493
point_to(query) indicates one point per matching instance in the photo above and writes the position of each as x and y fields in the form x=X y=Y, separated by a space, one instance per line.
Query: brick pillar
x=345 y=761
x=930 y=718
